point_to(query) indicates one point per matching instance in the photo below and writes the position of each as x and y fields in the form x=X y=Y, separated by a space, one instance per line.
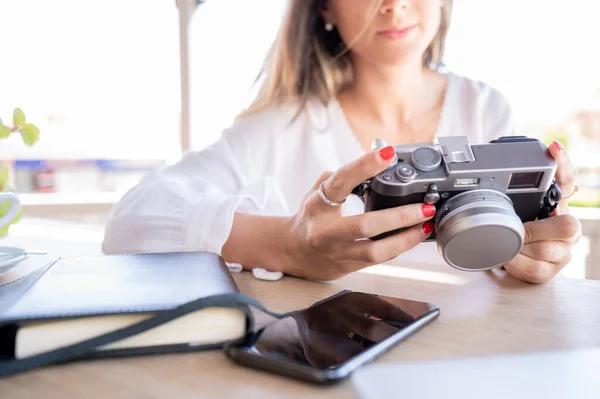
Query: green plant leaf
x=18 y=117
x=4 y=131
x=4 y=230
x=4 y=207
x=3 y=175
x=30 y=134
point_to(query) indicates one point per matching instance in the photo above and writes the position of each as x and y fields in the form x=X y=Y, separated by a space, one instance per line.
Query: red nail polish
x=558 y=145
x=387 y=152
x=428 y=210
x=427 y=228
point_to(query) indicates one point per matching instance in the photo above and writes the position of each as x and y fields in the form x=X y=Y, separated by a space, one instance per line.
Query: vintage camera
x=483 y=194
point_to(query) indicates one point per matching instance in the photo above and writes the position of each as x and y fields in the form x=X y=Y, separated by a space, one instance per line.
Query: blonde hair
x=306 y=60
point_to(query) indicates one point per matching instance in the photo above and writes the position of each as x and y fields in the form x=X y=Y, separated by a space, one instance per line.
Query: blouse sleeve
x=190 y=205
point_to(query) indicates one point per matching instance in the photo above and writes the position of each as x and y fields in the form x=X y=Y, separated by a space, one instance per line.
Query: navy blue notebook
x=86 y=307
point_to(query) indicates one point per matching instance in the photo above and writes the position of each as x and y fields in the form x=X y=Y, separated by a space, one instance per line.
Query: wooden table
x=481 y=314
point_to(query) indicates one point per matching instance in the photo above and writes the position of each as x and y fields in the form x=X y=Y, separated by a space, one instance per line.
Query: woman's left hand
x=548 y=242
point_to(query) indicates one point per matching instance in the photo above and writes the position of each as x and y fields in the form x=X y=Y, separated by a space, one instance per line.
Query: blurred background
x=103 y=82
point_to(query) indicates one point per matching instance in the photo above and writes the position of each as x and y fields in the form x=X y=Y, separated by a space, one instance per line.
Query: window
x=101 y=81
x=229 y=40
x=541 y=55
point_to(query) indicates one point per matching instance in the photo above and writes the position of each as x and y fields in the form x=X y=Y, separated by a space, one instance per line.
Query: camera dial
x=426 y=159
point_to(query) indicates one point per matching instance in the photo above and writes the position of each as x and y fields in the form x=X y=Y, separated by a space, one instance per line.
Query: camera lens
x=478 y=230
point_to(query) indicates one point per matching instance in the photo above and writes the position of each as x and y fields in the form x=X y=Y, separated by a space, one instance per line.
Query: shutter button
x=405 y=173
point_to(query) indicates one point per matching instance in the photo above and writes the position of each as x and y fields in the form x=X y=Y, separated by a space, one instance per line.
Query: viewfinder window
x=525 y=180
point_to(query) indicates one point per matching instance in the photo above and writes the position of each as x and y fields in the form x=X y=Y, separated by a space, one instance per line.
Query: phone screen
x=328 y=334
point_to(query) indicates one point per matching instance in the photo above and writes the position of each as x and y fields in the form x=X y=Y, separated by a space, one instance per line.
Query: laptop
x=547 y=375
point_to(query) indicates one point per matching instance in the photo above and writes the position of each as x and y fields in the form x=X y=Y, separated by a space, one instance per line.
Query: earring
x=328 y=26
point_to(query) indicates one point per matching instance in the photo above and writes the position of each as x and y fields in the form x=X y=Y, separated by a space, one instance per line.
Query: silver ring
x=327 y=200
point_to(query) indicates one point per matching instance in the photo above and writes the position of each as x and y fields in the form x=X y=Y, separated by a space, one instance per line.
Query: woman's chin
x=396 y=59
x=394 y=54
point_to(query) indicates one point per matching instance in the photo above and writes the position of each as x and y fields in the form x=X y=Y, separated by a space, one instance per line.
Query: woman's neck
x=390 y=94
x=395 y=104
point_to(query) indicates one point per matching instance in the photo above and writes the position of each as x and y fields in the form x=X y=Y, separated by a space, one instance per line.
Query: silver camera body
x=483 y=194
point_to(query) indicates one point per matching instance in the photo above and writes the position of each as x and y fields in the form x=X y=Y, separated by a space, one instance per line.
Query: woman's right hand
x=322 y=244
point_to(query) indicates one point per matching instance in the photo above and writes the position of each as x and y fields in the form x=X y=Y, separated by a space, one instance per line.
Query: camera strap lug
x=550 y=201
x=361 y=189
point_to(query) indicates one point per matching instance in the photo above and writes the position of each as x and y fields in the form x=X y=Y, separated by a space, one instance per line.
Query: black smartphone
x=327 y=341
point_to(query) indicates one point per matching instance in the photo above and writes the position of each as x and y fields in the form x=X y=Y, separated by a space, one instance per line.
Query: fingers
x=540 y=261
x=565 y=173
x=531 y=270
x=371 y=224
x=550 y=251
x=563 y=227
x=312 y=193
x=345 y=179
x=379 y=251
x=324 y=176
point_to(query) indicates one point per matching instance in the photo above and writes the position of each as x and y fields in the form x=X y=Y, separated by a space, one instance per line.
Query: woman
x=341 y=73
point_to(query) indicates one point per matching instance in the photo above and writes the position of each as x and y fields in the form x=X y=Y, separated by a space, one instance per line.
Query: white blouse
x=265 y=164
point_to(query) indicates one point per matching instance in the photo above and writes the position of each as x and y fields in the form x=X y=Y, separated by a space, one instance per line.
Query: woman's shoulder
x=262 y=140
x=481 y=93
x=271 y=122
x=482 y=104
